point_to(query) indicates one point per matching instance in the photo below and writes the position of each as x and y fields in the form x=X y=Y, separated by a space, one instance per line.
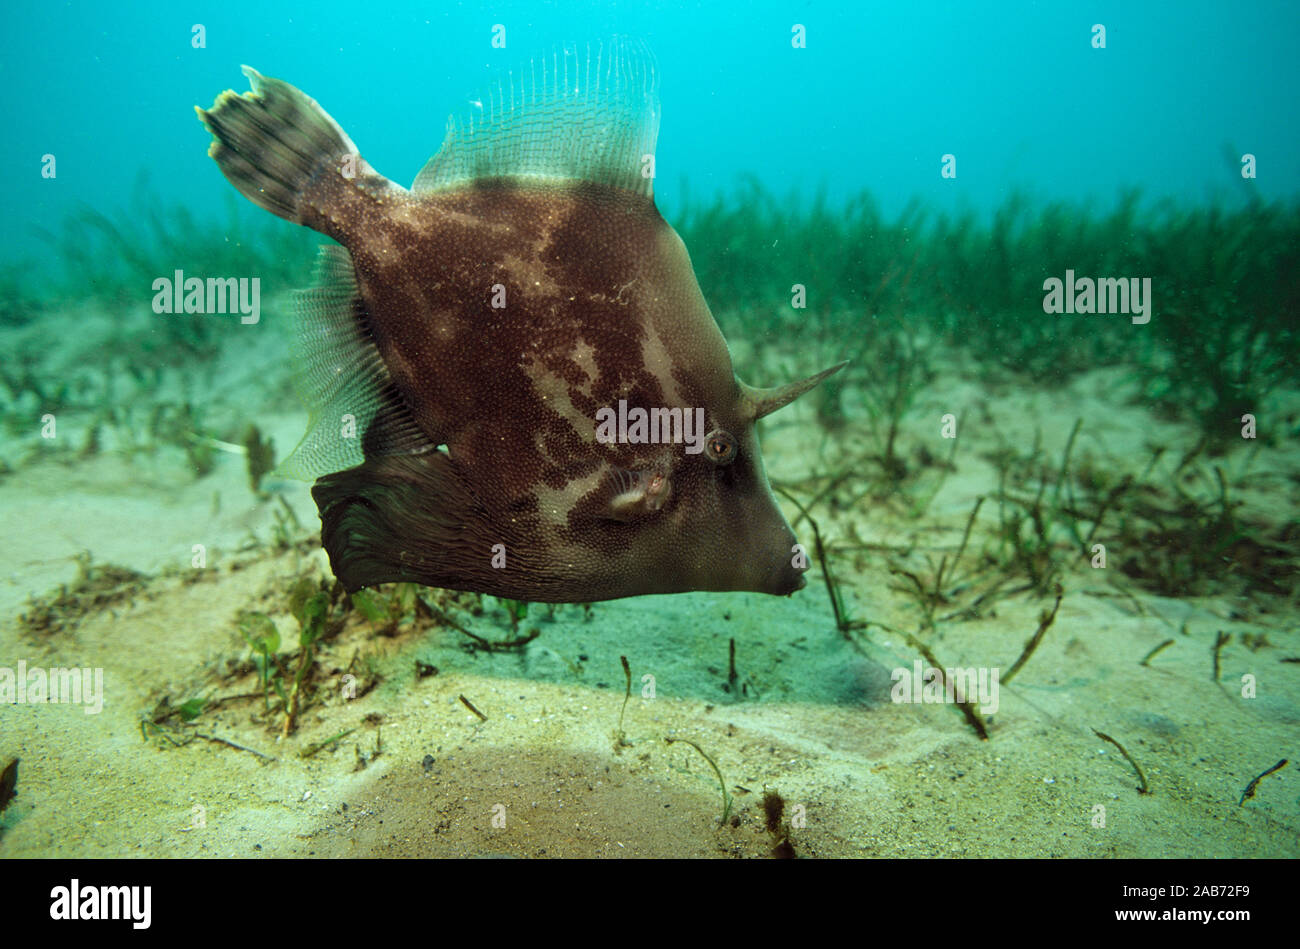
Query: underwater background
x=1102 y=506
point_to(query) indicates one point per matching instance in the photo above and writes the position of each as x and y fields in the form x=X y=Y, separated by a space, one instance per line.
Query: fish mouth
x=792 y=581
x=779 y=568
x=782 y=579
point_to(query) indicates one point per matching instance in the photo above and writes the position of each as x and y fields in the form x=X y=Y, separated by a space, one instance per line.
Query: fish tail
x=274 y=142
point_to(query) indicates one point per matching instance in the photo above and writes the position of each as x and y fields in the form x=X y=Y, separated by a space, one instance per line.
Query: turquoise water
x=1059 y=246
x=1015 y=90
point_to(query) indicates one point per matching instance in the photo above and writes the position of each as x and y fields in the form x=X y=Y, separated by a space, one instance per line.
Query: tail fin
x=272 y=142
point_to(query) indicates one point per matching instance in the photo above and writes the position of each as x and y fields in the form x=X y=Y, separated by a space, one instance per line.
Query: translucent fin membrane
x=587 y=113
x=356 y=412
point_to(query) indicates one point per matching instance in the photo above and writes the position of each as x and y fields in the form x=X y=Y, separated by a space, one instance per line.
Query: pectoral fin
x=636 y=494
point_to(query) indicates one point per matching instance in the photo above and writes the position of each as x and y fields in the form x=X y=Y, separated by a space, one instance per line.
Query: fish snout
x=784 y=578
x=776 y=562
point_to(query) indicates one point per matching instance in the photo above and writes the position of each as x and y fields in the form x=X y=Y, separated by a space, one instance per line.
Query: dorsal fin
x=587 y=113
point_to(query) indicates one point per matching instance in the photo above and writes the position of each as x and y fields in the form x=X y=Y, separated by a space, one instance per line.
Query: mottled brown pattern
x=601 y=305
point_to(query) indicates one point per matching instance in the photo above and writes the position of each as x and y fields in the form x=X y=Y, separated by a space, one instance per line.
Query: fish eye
x=720 y=447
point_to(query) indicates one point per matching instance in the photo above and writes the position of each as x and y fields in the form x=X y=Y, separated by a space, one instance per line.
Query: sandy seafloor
x=815 y=720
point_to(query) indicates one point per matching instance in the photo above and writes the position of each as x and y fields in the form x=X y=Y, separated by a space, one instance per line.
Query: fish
x=515 y=384
x=8 y=783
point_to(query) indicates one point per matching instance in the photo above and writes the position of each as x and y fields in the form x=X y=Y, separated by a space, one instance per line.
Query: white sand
x=865 y=776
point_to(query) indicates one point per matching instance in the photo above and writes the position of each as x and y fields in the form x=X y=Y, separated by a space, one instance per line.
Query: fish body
x=516 y=385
